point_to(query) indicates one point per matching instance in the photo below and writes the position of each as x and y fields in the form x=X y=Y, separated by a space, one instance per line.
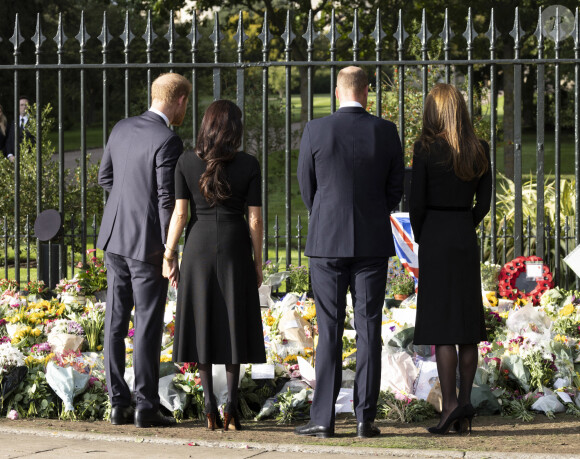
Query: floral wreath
x=510 y=273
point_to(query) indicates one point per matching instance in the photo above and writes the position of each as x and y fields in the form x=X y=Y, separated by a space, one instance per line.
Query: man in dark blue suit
x=350 y=172
x=137 y=169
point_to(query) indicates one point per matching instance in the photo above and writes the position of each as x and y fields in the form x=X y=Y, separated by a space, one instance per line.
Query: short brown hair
x=352 y=79
x=169 y=87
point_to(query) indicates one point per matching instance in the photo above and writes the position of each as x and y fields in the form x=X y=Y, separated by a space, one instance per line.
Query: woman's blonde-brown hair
x=445 y=116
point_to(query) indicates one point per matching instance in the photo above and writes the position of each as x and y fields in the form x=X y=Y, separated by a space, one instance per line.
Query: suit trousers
x=331 y=278
x=134 y=283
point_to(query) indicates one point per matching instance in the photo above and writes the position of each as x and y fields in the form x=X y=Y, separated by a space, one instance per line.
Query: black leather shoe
x=122 y=415
x=150 y=418
x=367 y=430
x=314 y=431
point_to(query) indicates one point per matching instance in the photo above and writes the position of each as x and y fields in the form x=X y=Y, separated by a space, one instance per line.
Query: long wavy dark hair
x=445 y=116
x=218 y=141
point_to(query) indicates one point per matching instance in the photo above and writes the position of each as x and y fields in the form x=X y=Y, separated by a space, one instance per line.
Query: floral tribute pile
x=530 y=365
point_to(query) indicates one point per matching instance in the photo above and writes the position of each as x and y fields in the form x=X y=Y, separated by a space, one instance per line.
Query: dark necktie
x=21 y=123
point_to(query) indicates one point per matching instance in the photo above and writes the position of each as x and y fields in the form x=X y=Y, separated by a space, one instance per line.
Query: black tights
x=232 y=375
x=446 y=367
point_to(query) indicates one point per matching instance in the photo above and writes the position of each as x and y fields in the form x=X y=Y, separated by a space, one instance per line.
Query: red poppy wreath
x=510 y=273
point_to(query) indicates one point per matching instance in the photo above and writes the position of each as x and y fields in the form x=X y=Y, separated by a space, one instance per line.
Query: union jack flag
x=405 y=246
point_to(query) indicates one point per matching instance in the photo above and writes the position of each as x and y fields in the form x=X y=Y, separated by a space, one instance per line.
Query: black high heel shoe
x=456 y=415
x=231 y=418
x=468 y=413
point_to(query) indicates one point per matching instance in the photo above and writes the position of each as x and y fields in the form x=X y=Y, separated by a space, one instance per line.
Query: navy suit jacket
x=137 y=169
x=350 y=172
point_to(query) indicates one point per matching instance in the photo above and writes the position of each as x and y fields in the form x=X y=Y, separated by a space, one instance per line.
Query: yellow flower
x=348 y=353
x=567 y=310
x=504 y=315
x=491 y=298
x=165 y=358
x=99 y=347
x=291 y=358
x=270 y=321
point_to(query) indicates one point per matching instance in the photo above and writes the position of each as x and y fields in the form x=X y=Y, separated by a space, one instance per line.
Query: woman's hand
x=171 y=271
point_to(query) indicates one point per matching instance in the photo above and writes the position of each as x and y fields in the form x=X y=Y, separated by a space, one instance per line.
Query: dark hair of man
x=218 y=141
x=445 y=117
x=352 y=79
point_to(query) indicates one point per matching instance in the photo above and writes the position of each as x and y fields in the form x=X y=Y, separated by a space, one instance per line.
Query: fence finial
x=127 y=36
x=517 y=33
x=105 y=36
x=17 y=38
x=240 y=35
x=195 y=35
x=470 y=33
x=266 y=35
x=355 y=34
x=492 y=33
x=332 y=35
x=539 y=32
x=400 y=35
x=288 y=36
x=310 y=34
x=171 y=33
x=446 y=34
x=378 y=34
x=60 y=37
x=424 y=33
x=82 y=37
x=38 y=38
x=577 y=31
x=149 y=36
x=216 y=36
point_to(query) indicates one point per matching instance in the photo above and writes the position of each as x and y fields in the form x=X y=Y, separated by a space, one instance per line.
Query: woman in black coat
x=450 y=167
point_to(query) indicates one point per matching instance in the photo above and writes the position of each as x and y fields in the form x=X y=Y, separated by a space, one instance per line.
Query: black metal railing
x=548 y=239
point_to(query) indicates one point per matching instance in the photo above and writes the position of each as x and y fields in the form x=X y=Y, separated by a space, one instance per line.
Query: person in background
x=22 y=132
x=137 y=169
x=218 y=317
x=3 y=129
x=450 y=167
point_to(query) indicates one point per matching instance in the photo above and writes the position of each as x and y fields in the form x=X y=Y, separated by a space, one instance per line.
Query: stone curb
x=288 y=448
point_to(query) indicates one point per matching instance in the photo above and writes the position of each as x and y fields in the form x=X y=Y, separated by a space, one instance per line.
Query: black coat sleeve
x=418 y=198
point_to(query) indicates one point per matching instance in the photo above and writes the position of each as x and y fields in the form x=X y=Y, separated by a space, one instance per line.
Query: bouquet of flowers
x=72 y=287
x=92 y=275
x=489 y=276
x=93 y=324
x=65 y=335
x=10 y=358
x=36 y=288
x=9 y=284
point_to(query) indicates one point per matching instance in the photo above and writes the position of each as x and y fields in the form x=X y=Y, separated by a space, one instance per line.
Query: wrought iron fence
x=546 y=238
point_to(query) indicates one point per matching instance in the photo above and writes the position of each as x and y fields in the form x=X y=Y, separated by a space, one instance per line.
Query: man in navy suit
x=137 y=169
x=21 y=129
x=350 y=172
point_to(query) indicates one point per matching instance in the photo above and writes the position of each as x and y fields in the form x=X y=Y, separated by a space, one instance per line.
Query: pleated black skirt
x=449 y=304
x=218 y=309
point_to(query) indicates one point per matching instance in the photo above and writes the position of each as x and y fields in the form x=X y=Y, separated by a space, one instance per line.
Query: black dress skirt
x=218 y=309
x=444 y=219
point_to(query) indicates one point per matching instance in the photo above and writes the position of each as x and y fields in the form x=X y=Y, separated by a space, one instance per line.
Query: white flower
x=13 y=414
x=10 y=357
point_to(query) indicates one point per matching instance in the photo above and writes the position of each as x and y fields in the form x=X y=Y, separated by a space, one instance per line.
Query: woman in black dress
x=218 y=309
x=450 y=167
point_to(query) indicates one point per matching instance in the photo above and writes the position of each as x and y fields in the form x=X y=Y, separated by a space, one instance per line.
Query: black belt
x=449 y=208
x=220 y=217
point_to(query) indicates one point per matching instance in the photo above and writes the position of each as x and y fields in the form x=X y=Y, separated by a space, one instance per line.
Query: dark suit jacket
x=137 y=169
x=22 y=133
x=350 y=172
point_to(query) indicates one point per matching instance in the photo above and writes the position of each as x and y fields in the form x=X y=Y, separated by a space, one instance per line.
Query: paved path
x=24 y=443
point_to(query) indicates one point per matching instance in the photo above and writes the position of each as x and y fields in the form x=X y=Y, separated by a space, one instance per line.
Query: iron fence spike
x=400 y=35
x=105 y=37
x=424 y=33
x=127 y=36
x=517 y=31
x=17 y=39
x=332 y=34
x=310 y=34
x=470 y=33
x=171 y=32
x=240 y=35
x=216 y=36
x=266 y=35
x=149 y=36
x=355 y=34
x=378 y=34
x=82 y=37
x=288 y=36
x=38 y=37
x=195 y=35
x=60 y=37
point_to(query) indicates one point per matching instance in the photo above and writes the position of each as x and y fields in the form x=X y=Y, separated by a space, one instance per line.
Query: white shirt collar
x=161 y=114
x=350 y=103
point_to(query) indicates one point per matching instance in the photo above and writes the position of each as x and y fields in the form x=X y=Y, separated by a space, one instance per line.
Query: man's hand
x=259 y=273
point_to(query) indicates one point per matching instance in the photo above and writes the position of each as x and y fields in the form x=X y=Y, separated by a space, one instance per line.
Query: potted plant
x=71 y=291
x=35 y=290
x=402 y=286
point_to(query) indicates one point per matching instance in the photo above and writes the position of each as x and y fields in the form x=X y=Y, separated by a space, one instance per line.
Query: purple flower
x=75 y=328
x=392 y=328
x=131 y=333
x=5 y=339
x=2 y=322
x=41 y=347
